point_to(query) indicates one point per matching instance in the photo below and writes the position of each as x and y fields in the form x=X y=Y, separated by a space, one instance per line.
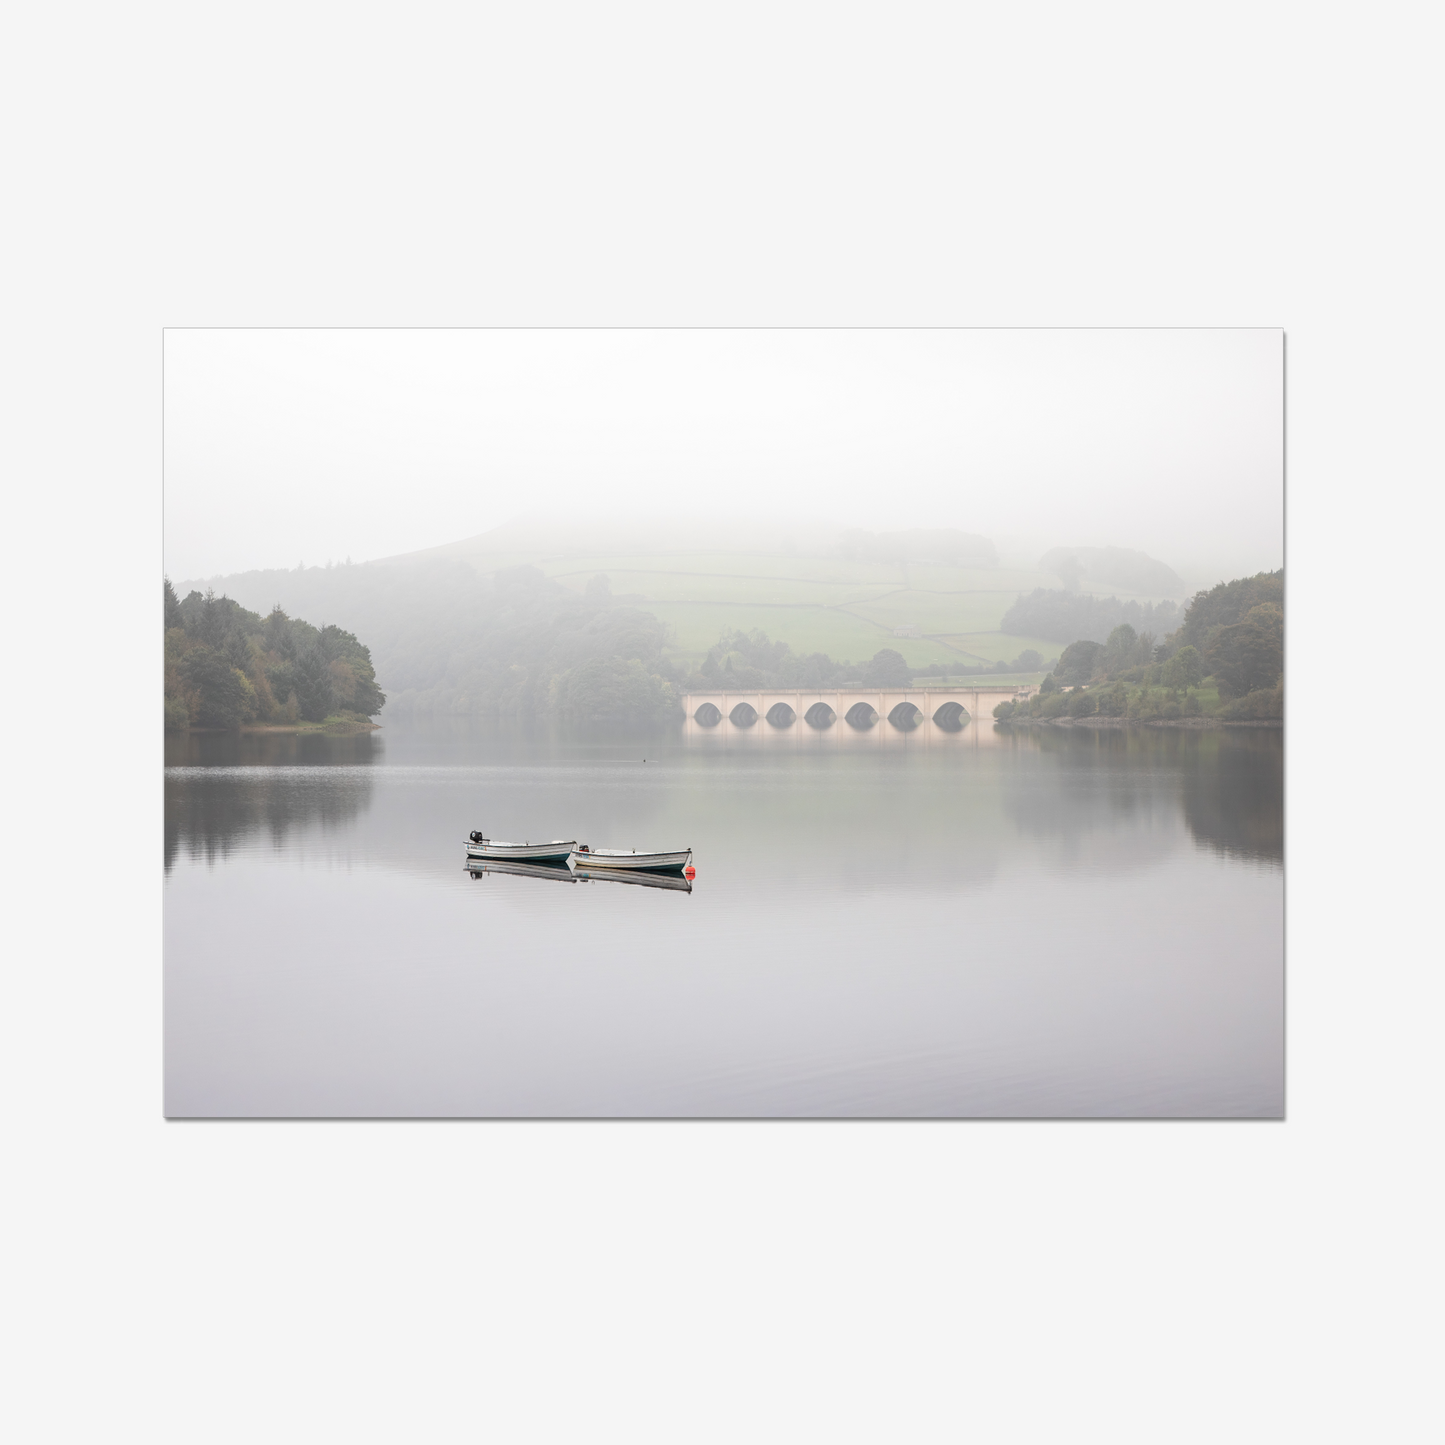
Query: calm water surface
x=1064 y=924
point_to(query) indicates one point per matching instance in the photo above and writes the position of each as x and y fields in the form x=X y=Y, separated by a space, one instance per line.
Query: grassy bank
x=1120 y=702
x=339 y=725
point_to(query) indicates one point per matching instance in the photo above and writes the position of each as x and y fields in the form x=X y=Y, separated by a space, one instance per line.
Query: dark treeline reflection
x=1234 y=798
x=209 y=817
x=272 y=750
x=1230 y=784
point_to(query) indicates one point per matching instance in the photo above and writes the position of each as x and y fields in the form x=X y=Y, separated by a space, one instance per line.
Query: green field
x=693 y=627
x=816 y=604
x=998 y=646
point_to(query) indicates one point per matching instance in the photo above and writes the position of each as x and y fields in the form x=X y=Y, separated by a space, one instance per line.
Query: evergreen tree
x=226 y=698
x=313 y=686
x=277 y=630
x=212 y=627
x=238 y=654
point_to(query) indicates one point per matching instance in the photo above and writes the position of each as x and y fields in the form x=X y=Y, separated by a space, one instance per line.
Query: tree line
x=1231 y=636
x=519 y=647
x=1065 y=616
x=226 y=665
x=745 y=660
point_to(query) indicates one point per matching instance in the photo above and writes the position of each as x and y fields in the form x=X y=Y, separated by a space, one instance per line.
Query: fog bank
x=284 y=447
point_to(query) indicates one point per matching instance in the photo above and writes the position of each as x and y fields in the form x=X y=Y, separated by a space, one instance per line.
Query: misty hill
x=944 y=547
x=541 y=543
x=1093 y=569
x=841 y=595
x=510 y=645
x=1060 y=616
x=416 y=613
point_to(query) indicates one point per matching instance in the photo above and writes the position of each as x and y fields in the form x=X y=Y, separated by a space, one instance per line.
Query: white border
x=648 y=164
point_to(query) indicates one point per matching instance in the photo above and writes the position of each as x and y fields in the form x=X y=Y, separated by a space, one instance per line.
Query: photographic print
x=854 y=723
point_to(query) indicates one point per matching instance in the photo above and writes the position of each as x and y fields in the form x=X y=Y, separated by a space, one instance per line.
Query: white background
x=676 y=164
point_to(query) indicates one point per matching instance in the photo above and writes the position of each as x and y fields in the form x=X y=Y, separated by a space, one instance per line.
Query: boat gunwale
x=559 y=850
x=671 y=860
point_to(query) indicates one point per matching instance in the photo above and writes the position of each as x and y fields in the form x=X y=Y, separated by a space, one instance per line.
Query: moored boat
x=557 y=851
x=585 y=857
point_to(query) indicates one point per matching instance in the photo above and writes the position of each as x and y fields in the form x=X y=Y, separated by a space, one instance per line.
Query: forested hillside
x=511 y=647
x=934 y=595
x=515 y=646
x=751 y=659
x=508 y=625
x=1227 y=652
x=226 y=666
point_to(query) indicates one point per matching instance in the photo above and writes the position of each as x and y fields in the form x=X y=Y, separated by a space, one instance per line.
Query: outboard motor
x=476 y=837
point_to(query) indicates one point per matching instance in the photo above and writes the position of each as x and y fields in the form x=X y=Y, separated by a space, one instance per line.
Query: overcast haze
x=307 y=446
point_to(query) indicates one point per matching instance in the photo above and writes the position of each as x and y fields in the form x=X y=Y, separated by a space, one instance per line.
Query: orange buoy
x=689 y=871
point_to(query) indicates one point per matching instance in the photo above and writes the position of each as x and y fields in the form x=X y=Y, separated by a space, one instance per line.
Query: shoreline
x=333 y=730
x=1133 y=722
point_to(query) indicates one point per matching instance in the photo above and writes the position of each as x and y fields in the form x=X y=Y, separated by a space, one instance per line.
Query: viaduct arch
x=855 y=710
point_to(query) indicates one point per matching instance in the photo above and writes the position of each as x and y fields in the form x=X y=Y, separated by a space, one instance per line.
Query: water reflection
x=273 y=750
x=887 y=928
x=558 y=872
x=906 y=727
x=628 y=875
x=1115 y=787
x=1234 y=794
x=224 y=789
x=1116 y=795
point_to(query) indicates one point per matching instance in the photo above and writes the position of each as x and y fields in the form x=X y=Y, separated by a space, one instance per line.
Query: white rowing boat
x=557 y=851
x=585 y=857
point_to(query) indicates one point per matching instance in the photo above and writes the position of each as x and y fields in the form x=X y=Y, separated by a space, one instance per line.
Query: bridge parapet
x=881 y=712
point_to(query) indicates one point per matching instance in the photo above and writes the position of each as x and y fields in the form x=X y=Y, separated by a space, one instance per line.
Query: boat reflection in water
x=674 y=881
x=561 y=873
x=558 y=871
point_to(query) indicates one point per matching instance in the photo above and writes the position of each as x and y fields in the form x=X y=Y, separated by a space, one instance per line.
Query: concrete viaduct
x=902 y=709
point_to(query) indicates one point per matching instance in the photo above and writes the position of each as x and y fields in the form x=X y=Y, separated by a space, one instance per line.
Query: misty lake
x=1061 y=923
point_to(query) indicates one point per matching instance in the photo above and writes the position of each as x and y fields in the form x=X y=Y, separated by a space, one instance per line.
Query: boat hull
x=556 y=851
x=633 y=862
x=654 y=879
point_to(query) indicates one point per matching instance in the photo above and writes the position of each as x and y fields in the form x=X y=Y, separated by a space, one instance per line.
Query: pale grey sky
x=284 y=446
